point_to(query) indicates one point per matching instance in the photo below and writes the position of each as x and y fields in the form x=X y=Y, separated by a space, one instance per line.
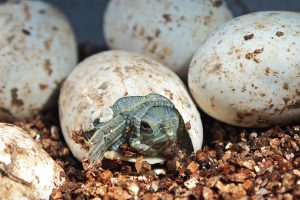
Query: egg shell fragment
x=27 y=171
x=247 y=72
x=37 y=51
x=100 y=80
x=169 y=31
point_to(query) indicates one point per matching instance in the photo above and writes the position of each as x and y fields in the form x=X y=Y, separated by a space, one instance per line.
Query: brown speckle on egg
x=103 y=86
x=47 y=66
x=26 y=32
x=47 y=43
x=15 y=100
x=279 y=33
x=167 y=18
x=286 y=86
x=248 y=37
x=43 y=86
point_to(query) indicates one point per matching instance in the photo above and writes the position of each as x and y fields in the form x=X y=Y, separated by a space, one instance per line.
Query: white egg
x=100 y=80
x=169 y=31
x=247 y=73
x=27 y=171
x=37 y=51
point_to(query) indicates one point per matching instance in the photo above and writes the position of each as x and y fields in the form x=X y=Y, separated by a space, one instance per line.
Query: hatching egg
x=247 y=73
x=37 y=51
x=122 y=86
x=27 y=171
x=169 y=31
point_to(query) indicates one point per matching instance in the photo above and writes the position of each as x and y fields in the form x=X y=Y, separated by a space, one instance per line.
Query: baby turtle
x=148 y=124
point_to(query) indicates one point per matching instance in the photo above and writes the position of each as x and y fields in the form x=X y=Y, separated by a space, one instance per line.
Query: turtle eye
x=145 y=128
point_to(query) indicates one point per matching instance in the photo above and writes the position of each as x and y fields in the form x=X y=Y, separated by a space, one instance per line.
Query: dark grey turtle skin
x=148 y=124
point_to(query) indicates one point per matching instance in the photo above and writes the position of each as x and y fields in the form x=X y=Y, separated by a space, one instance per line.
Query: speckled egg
x=27 y=171
x=100 y=80
x=247 y=73
x=37 y=51
x=169 y=31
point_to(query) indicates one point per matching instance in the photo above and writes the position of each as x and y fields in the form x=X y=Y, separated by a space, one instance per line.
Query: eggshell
x=37 y=51
x=100 y=80
x=247 y=73
x=169 y=31
x=27 y=171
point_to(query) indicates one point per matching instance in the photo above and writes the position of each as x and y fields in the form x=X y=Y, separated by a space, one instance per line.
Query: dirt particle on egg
x=249 y=56
x=216 y=69
x=26 y=32
x=47 y=66
x=257 y=60
x=188 y=125
x=217 y=4
x=249 y=36
x=15 y=100
x=167 y=18
x=169 y=94
x=212 y=101
x=262 y=94
x=47 y=44
x=149 y=39
x=279 y=33
x=157 y=33
x=43 y=86
x=207 y=19
x=103 y=86
x=285 y=86
x=258 y=51
x=138 y=31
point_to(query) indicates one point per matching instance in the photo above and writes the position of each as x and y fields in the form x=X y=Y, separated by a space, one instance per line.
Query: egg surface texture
x=37 y=51
x=247 y=73
x=169 y=31
x=27 y=171
x=100 y=80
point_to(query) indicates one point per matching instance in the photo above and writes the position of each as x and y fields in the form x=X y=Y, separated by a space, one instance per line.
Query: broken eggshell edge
x=100 y=80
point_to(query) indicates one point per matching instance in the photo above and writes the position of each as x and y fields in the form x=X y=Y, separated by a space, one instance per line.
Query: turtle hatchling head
x=158 y=129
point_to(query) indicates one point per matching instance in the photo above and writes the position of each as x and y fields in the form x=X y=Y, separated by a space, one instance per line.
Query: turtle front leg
x=104 y=137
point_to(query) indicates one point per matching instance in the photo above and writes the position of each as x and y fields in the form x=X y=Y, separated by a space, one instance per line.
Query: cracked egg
x=121 y=97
